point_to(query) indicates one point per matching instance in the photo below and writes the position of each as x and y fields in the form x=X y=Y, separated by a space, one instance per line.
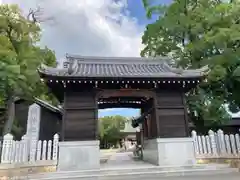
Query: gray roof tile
x=81 y=66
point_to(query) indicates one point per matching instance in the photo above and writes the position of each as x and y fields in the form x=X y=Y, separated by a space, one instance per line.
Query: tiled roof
x=82 y=66
x=42 y=103
x=48 y=106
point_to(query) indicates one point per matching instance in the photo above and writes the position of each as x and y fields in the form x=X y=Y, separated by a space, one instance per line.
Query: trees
x=110 y=129
x=197 y=33
x=19 y=58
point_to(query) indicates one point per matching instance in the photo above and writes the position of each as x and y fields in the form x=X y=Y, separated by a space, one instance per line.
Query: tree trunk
x=199 y=124
x=10 y=111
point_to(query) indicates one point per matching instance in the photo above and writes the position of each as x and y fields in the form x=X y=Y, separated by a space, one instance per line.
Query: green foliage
x=20 y=56
x=198 y=33
x=110 y=129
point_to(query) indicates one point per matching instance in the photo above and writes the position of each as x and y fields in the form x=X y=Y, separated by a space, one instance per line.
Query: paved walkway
x=120 y=158
x=232 y=176
x=123 y=164
x=124 y=160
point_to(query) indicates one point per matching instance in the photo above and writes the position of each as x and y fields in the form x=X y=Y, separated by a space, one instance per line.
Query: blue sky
x=92 y=28
x=85 y=30
x=128 y=112
x=136 y=9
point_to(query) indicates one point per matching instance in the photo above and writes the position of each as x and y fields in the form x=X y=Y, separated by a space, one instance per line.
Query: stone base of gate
x=78 y=155
x=169 y=152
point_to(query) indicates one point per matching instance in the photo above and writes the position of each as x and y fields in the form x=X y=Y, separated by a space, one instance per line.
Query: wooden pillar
x=171 y=114
x=150 y=123
x=154 y=124
x=80 y=116
x=138 y=137
x=144 y=126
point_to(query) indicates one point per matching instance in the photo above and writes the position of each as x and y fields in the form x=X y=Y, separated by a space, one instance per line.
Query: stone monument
x=33 y=127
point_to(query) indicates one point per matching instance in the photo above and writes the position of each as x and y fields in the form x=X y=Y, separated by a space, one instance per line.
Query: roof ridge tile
x=129 y=67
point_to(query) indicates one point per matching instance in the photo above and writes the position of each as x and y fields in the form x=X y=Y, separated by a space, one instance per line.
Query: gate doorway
x=119 y=149
x=117 y=121
x=132 y=141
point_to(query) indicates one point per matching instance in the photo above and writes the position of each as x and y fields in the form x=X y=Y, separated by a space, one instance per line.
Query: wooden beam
x=107 y=93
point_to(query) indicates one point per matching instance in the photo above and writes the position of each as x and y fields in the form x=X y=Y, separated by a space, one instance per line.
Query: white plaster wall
x=150 y=151
x=78 y=155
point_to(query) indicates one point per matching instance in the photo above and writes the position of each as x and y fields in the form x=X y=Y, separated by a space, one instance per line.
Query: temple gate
x=87 y=84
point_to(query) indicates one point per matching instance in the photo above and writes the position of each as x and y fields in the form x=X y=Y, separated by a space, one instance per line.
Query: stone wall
x=169 y=151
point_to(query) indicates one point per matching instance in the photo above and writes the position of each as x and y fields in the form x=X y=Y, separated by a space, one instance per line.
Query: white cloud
x=107 y=110
x=88 y=27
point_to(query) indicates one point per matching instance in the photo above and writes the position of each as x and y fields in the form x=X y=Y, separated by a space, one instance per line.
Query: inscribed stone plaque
x=33 y=127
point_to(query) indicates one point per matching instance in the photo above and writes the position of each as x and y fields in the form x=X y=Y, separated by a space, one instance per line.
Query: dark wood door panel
x=171 y=112
x=80 y=100
x=80 y=124
x=169 y=99
x=80 y=114
x=75 y=135
x=172 y=121
x=171 y=132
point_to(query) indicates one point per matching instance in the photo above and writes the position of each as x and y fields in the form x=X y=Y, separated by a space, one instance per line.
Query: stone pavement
x=125 y=160
x=122 y=158
x=232 y=176
x=121 y=166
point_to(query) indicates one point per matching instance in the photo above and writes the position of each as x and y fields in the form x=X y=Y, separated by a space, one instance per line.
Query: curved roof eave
x=106 y=67
x=55 y=73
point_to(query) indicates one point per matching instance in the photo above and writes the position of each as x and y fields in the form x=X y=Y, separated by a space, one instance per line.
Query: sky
x=92 y=27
